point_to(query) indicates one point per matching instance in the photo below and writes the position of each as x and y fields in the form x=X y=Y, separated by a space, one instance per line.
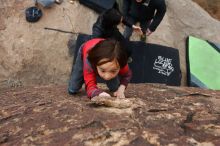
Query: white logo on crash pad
x=163 y=65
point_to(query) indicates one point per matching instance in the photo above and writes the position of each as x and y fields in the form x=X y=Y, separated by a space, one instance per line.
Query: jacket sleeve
x=97 y=30
x=126 y=7
x=161 y=10
x=126 y=22
x=125 y=75
x=90 y=80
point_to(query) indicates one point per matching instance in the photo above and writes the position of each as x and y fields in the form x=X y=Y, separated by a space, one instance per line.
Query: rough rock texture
x=157 y=115
x=32 y=55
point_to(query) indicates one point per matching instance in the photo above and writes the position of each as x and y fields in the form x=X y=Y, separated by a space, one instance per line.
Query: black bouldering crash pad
x=153 y=63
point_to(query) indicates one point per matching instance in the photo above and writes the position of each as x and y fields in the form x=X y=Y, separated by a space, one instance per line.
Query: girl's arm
x=88 y=73
x=91 y=85
x=120 y=92
x=125 y=74
x=90 y=80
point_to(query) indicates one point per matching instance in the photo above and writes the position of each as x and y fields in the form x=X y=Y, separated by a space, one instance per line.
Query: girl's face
x=108 y=70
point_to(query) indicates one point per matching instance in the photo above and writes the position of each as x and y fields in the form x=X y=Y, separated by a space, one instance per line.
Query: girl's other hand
x=120 y=92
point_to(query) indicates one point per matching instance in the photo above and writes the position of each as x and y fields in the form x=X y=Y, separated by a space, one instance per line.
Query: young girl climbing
x=104 y=59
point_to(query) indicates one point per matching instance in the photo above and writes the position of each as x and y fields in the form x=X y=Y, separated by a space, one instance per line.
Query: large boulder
x=155 y=115
x=32 y=55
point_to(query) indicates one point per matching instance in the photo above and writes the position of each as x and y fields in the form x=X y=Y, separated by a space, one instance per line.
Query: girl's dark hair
x=111 y=18
x=110 y=49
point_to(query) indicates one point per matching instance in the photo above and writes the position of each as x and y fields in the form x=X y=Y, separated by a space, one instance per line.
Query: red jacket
x=90 y=76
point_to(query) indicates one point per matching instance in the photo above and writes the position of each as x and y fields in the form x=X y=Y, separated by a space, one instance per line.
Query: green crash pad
x=203 y=63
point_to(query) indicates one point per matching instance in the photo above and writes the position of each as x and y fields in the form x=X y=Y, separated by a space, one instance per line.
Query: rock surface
x=32 y=55
x=156 y=115
x=211 y=6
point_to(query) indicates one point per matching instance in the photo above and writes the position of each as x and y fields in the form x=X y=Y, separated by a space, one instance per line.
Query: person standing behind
x=148 y=12
x=106 y=27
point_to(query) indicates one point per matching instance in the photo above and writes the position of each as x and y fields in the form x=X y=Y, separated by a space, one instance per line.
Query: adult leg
x=76 y=78
x=144 y=26
x=128 y=30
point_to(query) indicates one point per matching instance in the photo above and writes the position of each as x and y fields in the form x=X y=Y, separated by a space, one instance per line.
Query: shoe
x=71 y=92
x=143 y=38
x=58 y=1
x=71 y=1
x=129 y=60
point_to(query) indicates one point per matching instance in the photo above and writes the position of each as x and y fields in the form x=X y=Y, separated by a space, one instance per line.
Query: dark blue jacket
x=99 y=30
